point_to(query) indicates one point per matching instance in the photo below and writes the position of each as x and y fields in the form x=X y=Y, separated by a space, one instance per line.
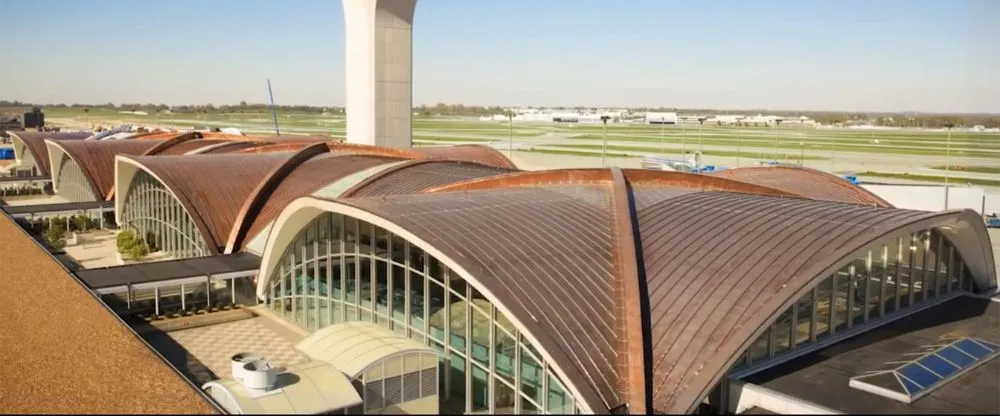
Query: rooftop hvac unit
x=259 y=376
x=237 y=361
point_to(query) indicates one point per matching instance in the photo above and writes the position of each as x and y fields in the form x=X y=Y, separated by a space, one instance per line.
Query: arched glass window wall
x=28 y=164
x=885 y=281
x=73 y=183
x=155 y=214
x=342 y=269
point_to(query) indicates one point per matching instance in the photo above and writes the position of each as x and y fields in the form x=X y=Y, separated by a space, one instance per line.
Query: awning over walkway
x=24 y=179
x=25 y=211
x=224 y=266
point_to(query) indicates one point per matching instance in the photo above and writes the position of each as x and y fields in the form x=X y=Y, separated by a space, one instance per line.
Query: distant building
x=661 y=118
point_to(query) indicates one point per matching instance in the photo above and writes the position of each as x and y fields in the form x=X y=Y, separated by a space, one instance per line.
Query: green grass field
x=754 y=141
x=676 y=150
x=817 y=143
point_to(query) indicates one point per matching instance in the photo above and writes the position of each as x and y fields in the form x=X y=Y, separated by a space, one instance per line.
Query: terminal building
x=445 y=279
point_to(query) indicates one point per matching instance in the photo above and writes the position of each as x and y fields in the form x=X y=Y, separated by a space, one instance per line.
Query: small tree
x=54 y=236
x=137 y=251
x=81 y=222
x=124 y=240
x=130 y=245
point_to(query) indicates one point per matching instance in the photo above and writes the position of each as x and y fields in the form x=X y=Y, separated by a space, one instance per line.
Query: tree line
x=900 y=119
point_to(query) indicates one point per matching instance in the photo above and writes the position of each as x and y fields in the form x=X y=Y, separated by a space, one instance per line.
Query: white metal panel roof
x=352 y=347
x=306 y=388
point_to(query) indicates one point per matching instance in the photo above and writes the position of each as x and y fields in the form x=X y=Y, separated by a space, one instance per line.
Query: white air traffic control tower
x=379 y=68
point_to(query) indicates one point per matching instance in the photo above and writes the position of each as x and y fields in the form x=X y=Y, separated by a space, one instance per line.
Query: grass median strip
x=932 y=178
x=749 y=154
x=973 y=169
x=809 y=144
x=450 y=139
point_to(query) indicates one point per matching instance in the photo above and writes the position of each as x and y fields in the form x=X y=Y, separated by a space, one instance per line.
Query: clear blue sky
x=921 y=55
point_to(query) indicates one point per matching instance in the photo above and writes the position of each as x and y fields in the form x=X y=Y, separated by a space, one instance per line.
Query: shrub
x=124 y=240
x=81 y=222
x=137 y=251
x=54 y=237
x=130 y=245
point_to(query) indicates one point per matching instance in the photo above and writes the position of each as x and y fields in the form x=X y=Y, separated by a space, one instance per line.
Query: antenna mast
x=274 y=110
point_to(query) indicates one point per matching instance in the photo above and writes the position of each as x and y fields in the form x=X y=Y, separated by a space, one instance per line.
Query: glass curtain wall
x=156 y=216
x=341 y=269
x=28 y=163
x=73 y=183
x=891 y=277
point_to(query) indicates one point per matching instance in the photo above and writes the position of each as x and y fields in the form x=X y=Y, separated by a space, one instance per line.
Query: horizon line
x=678 y=109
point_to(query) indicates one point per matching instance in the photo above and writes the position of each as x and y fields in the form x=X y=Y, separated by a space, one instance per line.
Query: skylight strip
x=924 y=366
x=981 y=343
x=902 y=376
x=947 y=360
x=919 y=364
x=965 y=352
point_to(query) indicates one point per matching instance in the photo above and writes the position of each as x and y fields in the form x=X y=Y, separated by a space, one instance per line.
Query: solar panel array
x=917 y=377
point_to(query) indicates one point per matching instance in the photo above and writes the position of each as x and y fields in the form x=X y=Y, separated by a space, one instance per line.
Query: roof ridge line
x=263 y=190
x=631 y=304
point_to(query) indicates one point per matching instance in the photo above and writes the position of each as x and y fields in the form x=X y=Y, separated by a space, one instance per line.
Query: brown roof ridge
x=253 y=204
x=630 y=297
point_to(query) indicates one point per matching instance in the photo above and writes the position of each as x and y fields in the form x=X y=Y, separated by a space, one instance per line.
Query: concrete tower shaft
x=379 y=69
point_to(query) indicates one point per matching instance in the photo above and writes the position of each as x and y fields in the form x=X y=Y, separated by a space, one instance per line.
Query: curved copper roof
x=483 y=155
x=361 y=149
x=171 y=139
x=555 y=238
x=158 y=134
x=417 y=175
x=265 y=147
x=212 y=188
x=805 y=182
x=256 y=199
x=676 y=180
x=557 y=253
x=96 y=158
x=307 y=178
x=34 y=142
x=293 y=138
x=229 y=147
x=743 y=259
x=183 y=147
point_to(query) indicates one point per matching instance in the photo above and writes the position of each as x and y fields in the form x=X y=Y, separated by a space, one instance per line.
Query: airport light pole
x=739 y=139
x=947 y=165
x=663 y=134
x=510 y=134
x=833 y=154
x=604 y=147
x=774 y=146
x=701 y=124
x=684 y=147
x=701 y=146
